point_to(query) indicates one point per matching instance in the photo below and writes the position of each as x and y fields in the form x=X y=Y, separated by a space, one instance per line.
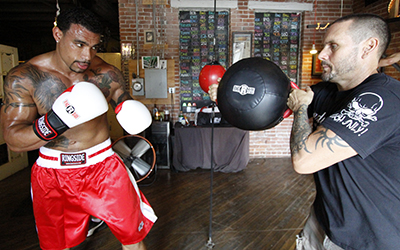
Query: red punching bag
x=209 y=74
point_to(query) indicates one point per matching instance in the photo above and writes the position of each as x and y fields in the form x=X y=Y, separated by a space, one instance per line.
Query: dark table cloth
x=192 y=148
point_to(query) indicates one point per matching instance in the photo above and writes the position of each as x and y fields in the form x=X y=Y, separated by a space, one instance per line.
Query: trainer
x=57 y=102
x=353 y=146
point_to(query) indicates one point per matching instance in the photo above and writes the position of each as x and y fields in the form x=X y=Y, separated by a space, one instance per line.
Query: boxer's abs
x=83 y=136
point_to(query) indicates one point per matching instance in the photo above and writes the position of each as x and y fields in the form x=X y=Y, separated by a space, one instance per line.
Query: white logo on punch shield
x=244 y=89
x=360 y=112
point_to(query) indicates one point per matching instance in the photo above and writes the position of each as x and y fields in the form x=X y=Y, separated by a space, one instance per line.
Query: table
x=192 y=148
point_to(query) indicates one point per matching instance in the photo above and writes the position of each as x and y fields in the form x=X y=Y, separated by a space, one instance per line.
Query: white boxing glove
x=133 y=116
x=78 y=104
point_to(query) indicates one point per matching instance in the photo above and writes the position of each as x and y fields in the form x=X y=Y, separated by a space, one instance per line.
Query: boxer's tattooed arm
x=103 y=80
x=13 y=93
x=121 y=98
x=111 y=83
x=17 y=105
x=301 y=129
x=46 y=88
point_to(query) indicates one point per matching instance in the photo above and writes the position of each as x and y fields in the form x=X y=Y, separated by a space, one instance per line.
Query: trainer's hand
x=213 y=90
x=299 y=97
x=78 y=104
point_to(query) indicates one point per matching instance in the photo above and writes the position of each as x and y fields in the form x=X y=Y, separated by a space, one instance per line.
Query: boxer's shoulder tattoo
x=13 y=91
x=46 y=86
x=22 y=80
x=104 y=78
x=325 y=140
x=301 y=129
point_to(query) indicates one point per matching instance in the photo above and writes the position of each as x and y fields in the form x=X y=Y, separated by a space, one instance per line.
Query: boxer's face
x=77 y=47
x=339 y=55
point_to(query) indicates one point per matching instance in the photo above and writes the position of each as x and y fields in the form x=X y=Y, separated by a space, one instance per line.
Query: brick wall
x=380 y=8
x=263 y=144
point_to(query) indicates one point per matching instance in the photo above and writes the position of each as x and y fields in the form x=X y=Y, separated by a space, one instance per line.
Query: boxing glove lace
x=78 y=104
x=133 y=116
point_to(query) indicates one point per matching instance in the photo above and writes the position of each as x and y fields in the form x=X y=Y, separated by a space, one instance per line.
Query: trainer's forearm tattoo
x=301 y=129
x=325 y=140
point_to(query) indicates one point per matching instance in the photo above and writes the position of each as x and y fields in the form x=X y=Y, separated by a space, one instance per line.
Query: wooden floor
x=260 y=208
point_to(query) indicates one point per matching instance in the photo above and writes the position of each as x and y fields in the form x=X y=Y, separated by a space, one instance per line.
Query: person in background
x=351 y=147
x=57 y=102
x=387 y=61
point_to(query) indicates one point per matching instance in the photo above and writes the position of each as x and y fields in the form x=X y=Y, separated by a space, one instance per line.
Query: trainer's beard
x=343 y=68
x=327 y=76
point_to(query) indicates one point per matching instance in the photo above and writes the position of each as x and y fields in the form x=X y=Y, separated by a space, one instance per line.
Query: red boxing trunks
x=69 y=187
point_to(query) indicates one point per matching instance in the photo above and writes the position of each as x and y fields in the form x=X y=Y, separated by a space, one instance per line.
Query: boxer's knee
x=137 y=246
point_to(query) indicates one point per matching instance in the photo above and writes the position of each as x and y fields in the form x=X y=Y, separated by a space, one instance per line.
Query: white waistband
x=50 y=158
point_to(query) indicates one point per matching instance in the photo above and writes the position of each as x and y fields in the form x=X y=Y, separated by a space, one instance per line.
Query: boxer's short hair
x=81 y=16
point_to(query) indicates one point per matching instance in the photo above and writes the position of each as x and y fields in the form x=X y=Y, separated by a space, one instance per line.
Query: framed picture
x=242 y=45
x=150 y=62
x=148 y=36
x=163 y=64
x=316 y=69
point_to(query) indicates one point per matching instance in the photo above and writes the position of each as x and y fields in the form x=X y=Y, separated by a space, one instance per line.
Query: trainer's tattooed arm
x=301 y=129
x=312 y=152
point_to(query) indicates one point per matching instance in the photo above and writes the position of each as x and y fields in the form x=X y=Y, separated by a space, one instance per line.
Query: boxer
x=57 y=102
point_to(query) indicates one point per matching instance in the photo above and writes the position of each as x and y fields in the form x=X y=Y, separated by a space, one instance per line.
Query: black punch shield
x=252 y=94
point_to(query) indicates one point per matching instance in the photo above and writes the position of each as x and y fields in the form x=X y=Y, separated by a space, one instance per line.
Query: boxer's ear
x=57 y=34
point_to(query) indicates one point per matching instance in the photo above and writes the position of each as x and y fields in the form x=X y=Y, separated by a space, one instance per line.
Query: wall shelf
x=156 y=46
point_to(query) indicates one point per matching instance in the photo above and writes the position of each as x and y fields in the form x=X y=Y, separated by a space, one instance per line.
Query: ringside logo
x=244 y=89
x=73 y=159
x=43 y=128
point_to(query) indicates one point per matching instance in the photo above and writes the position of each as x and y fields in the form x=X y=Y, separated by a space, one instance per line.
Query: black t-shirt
x=358 y=199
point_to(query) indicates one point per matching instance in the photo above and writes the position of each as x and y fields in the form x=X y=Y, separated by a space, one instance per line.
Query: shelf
x=157 y=46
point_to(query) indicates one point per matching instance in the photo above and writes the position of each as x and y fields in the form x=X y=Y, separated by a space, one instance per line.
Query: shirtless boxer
x=77 y=174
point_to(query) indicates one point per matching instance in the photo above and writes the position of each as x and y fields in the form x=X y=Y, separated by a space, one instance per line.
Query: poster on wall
x=196 y=49
x=277 y=38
